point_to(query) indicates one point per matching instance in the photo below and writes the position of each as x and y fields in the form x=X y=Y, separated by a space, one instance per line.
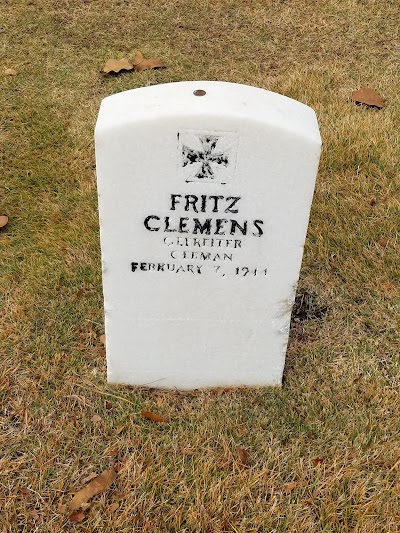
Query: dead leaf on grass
x=96 y=418
x=153 y=416
x=3 y=220
x=138 y=63
x=317 y=461
x=76 y=517
x=103 y=340
x=10 y=72
x=367 y=96
x=138 y=58
x=148 y=64
x=243 y=455
x=99 y=484
x=117 y=65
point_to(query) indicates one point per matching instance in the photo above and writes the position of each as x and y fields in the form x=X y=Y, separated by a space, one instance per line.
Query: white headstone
x=204 y=190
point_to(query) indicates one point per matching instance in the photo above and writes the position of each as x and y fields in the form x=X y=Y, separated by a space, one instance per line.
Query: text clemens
x=204 y=226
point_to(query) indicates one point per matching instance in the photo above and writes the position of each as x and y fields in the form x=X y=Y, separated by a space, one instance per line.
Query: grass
x=324 y=450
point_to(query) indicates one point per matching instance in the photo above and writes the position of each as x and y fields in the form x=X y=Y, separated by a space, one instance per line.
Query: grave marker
x=204 y=191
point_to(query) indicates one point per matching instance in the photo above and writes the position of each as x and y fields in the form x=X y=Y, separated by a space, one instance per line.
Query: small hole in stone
x=199 y=92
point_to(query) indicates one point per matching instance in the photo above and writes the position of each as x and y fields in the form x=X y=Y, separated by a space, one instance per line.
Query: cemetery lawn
x=322 y=453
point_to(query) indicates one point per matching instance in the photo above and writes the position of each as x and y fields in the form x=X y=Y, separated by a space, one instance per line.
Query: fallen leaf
x=368 y=97
x=76 y=517
x=138 y=58
x=3 y=220
x=148 y=64
x=140 y=63
x=153 y=416
x=96 y=418
x=243 y=455
x=317 y=461
x=384 y=241
x=109 y=405
x=103 y=340
x=99 y=484
x=117 y=65
x=10 y=72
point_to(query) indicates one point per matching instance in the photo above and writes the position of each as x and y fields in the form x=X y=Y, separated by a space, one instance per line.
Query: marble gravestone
x=204 y=192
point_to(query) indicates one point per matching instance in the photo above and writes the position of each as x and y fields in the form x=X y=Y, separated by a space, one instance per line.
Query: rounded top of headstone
x=208 y=99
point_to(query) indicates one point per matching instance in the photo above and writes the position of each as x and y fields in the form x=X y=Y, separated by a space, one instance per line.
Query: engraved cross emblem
x=207 y=156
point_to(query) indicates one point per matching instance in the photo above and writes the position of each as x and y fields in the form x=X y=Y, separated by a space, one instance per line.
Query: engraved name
x=204 y=226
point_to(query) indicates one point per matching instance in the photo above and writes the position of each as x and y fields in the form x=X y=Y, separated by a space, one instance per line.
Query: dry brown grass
x=324 y=452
